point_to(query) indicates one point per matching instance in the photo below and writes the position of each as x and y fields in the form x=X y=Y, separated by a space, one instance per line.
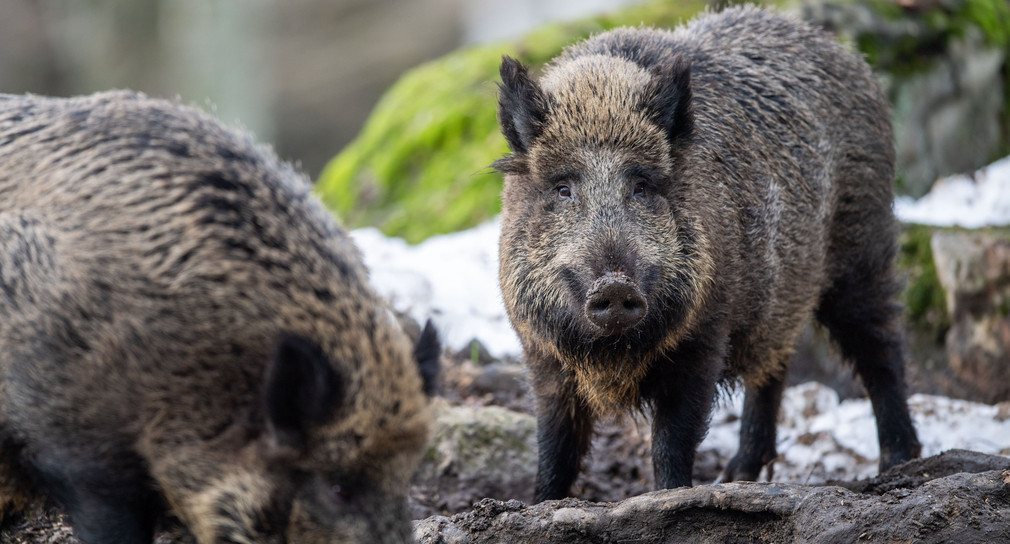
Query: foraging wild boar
x=185 y=329
x=677 y=205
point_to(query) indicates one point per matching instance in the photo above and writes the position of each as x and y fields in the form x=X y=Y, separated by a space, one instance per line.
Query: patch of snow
x=820 y=438
x=452 y=279
x=963 y=201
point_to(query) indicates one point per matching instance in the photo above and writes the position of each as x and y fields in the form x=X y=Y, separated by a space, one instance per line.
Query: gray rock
x=974 y=270
x=500 y=383
x=947 y=115
x=476 y=352
x=476 y=452
x=502 y=378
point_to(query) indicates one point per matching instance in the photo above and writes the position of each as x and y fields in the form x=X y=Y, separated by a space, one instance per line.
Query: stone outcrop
x=974 y=270
x=475 y=451
x=945 y=78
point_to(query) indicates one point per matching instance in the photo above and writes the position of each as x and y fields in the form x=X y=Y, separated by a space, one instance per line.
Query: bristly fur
x=738 y=172
x=187 y=328
x=522 y=109
x=668 y=97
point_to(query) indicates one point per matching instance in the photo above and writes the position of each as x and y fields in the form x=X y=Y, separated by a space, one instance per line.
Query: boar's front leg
x=681 y=390
x=564 y=429
x=757 y=431
x=107 y=504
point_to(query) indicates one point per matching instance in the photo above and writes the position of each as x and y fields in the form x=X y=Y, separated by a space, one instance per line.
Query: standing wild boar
x=185 y=329
x=676 y=206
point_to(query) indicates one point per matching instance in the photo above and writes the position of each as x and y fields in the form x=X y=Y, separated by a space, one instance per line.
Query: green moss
x=420 y=165
x=911 y=45
x=992 y=16
x=923 y=295
x=1004 y=149
x=900 y=185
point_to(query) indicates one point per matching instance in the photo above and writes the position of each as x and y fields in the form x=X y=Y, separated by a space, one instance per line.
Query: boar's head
x=327 y=453
x=601 y=264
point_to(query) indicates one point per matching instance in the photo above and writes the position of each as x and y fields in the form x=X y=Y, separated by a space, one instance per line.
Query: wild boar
x=677 y=205
x=186 y=329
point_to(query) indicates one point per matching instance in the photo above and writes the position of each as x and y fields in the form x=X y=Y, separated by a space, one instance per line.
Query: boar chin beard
x=612 y=386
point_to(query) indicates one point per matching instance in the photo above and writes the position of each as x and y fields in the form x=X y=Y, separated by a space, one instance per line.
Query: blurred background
x=389 y=106
x=302 y=74
x=305 y=74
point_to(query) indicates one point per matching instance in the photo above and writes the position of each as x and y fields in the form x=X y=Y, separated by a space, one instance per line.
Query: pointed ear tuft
x=426 y=353
x=522 y=106
x=668 y=99
x=302 y=389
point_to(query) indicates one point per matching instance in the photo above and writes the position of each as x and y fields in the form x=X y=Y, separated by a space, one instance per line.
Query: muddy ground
x=619 y=464
x=958 y=496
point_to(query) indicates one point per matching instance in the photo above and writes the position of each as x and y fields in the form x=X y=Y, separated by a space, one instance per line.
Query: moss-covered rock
x=475 y=452
x=974 y=269
x=420 y=165
x=945 y=67
x=923 y=295
x=906 y=42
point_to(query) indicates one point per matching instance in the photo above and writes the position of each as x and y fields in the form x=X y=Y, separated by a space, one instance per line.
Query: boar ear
x=668 y=98
x=301 y=390
x=522 y=106
x=426 y=353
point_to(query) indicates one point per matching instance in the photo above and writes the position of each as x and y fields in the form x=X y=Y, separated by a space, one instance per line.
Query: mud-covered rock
x=499 y=383
x=934 y=502
x=475 y=452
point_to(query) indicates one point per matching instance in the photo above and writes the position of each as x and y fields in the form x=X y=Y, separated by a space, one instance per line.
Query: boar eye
x=339 y=493
x=639 y=189
x=564 y=192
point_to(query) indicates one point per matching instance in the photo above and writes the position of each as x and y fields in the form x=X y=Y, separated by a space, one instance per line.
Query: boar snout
x=614 y=303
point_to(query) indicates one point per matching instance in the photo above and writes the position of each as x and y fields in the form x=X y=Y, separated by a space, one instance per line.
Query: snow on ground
x=963 y=201
x=820 y=438
x=453 y=280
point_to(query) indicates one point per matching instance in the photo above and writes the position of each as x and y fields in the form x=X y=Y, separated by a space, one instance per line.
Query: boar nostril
x=615 y=304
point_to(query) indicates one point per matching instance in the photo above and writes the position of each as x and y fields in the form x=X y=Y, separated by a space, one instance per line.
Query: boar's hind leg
x=757 y=432
x=564 y=430
x=862 y=319
x=105 y=506
x=681 y=397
